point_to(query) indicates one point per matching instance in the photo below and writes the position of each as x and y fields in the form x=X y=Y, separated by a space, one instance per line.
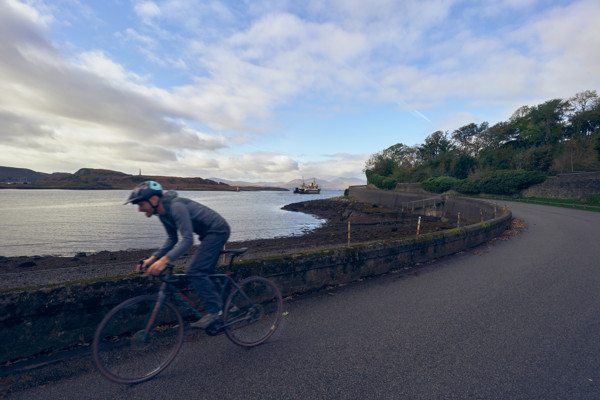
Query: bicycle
x=140 y=337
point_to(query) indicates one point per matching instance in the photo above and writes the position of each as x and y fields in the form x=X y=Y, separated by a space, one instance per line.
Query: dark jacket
x=187 y=217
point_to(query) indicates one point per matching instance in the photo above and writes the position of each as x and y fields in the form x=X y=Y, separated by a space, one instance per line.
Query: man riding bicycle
x=185 y=216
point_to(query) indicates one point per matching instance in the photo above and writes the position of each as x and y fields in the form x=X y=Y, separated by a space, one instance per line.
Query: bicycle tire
x=252 y=312
x=124 y=353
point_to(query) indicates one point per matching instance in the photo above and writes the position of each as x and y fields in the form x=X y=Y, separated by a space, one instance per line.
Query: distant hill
x=88 y=178
x=20 y=175
x=335 y=184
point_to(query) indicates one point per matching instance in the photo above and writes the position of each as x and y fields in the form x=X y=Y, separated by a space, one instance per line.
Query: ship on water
x=312 y=188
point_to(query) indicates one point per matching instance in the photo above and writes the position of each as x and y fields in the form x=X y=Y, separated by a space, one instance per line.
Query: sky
x=273 y=90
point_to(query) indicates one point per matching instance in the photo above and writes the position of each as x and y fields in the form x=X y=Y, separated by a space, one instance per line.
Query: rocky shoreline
x=367 y=223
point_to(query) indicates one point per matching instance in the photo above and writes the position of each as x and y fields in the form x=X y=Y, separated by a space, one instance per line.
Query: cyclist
x=186 y=217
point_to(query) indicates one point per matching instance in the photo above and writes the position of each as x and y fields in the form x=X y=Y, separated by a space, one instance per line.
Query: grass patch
x=588 y=202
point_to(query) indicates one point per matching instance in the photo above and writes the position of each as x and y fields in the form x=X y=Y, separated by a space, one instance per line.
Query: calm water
x=65 y=222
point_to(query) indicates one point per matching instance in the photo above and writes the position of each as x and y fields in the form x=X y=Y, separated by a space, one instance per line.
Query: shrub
x=439 y=184
x=499 y=182
x=467 y=186
x=382 y=182
x=510 y=182
x=388 y=183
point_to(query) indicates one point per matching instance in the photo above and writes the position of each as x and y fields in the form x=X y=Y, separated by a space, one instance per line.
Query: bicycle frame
x=225 y=283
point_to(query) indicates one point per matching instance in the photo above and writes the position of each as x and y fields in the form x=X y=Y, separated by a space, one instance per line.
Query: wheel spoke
x=134 y=343
x=258 y=307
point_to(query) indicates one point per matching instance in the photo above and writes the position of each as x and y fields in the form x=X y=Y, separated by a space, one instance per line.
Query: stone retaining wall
x=566 y=186
x=49 y=319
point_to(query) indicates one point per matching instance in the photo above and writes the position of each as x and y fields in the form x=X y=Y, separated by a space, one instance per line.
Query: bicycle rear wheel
x=134 y=342
x=253 y=311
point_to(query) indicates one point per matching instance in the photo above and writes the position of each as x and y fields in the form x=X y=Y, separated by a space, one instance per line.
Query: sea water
x=67 y=222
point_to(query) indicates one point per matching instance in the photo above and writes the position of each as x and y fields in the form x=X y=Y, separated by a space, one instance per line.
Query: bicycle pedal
x=215 y=328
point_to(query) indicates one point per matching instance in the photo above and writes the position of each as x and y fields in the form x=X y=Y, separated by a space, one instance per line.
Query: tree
x=404 y=156
x=393 y=159
x=463 y=166
x=379 y=164
x=576 y=154
x=498 y=146
x=498 y=135
x=467 y=138
x=543 y=124
x=538 y=158
x=585 y=119
x=583 y=101
x=435 y=144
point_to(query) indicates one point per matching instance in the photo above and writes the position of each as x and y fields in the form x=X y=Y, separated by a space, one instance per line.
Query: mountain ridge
x=90 y=178
x=20 y=175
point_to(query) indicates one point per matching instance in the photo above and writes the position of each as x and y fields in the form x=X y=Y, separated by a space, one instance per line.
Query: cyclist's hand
x=158 y=267
x=143 y=265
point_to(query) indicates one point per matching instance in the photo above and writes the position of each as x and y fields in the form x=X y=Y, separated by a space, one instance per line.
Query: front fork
x=145 y=334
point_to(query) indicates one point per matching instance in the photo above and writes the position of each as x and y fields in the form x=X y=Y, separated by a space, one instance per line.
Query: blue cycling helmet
x=144 y=191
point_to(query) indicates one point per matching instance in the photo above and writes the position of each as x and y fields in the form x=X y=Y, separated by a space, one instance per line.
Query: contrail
x=420 y=114
x=399 y=102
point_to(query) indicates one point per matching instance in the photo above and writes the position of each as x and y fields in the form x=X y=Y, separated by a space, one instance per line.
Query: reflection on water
x=65 y=222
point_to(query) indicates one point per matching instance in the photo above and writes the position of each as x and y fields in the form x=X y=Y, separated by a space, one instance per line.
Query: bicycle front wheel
x=137 y=339
x=252 y=312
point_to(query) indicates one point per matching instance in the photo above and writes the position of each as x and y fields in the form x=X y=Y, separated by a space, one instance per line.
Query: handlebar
x=168 y=276
x=165 y=276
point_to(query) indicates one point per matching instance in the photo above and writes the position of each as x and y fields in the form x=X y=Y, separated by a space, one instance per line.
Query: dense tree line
x=556 y=136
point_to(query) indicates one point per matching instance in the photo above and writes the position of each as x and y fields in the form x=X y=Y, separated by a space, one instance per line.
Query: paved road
x=518 y=319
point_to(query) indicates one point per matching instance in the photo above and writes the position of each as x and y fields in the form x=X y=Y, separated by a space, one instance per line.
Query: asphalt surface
x=515 y=319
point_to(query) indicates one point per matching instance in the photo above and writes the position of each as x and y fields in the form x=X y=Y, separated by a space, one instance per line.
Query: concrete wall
x=395 y=199
x=566 y=186
x=48 y=319
x=409 y=188
x=470 y=210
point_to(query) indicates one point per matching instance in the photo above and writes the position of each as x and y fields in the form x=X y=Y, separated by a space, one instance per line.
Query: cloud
x=260 y=163
x=100 y=65
x=212 y=83
x=561 y=40
x=20 y=130
x=270 y=166
x=538 y=59
x=335 y=165
x=147 y=11
x=253 y=166
x=56 y=103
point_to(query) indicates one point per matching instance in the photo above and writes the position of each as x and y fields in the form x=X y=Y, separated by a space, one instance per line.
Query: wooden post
x=458 y=224
x=419 y=226
x=481 y=214
x=348 y=233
